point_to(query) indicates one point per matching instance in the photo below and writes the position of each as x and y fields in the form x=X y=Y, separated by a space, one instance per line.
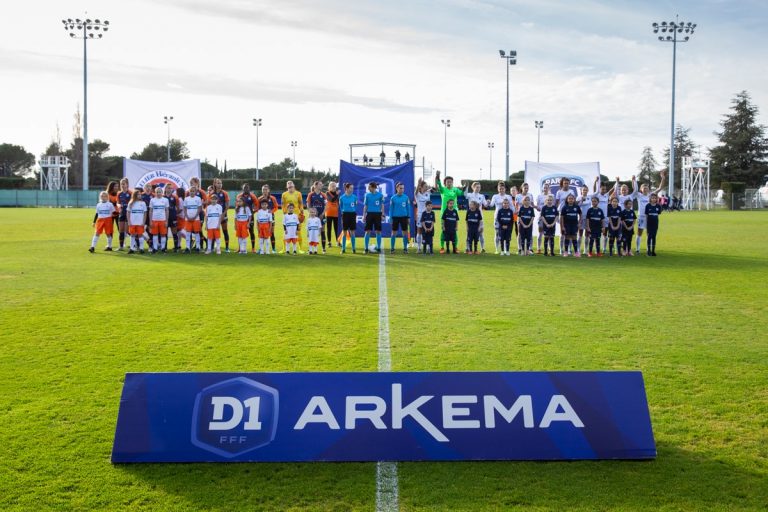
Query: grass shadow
x=262 y=486
x=678 y=479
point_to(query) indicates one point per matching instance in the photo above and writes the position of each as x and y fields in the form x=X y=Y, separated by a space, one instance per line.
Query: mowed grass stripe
x=72 y=324
x=692 y=319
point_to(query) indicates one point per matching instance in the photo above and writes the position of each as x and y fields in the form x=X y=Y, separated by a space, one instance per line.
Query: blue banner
x=386 y=177
x=220 y=417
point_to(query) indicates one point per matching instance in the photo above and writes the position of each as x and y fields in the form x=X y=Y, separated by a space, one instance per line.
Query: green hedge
x=18 y=182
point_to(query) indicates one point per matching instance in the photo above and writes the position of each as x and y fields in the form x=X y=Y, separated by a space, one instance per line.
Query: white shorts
x=641 y=221
x=418 y=218
x=605 y=223
x=583 y=222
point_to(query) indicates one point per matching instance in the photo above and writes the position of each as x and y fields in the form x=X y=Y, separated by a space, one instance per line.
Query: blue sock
x=405 y=241
x=344 y=242
x=353 y=243
x=366 y=239
x=392 y=242
x=378 y=241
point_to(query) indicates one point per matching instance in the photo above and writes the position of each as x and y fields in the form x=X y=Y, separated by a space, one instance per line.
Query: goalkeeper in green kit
x=447 y=193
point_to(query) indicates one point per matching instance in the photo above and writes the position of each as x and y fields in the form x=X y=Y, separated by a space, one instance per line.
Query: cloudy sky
x=331 y=73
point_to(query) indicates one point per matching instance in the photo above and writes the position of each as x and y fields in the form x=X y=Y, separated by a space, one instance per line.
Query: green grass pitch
x=694 y=320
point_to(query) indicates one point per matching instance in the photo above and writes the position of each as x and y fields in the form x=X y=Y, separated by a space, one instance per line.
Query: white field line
x=387 y=499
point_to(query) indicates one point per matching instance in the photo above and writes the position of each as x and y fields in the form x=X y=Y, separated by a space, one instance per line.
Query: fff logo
x=234 y=417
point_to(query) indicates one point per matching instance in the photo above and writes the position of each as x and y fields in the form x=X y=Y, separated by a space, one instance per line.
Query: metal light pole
x=539 y=125
x=512 y=60
x=167 y=120
x=293 y=145
x=673 y=28
x=490 y=160
x=257 y=123
x=446 y=125
x=90 y=29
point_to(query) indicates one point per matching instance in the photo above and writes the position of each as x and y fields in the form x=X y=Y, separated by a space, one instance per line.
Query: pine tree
x=741 y=155
x=647 y=167
x=684 y=146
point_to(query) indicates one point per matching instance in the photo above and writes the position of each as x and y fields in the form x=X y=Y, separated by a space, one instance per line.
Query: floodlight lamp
x=663 y=23
x=512 y=62
x=105 y=29
x=513 y=53
x=71 y=34
x=501 y=53
x=686 y=38
x=88 y=20
x=97 y=20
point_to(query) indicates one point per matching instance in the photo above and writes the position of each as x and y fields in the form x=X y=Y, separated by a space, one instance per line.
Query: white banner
x=539 y=173
x=178 y=174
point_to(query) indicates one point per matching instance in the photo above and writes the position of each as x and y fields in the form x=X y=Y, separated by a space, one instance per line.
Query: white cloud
x=335 y=73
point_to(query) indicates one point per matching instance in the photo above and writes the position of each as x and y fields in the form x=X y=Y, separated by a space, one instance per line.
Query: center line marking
x=387 y=499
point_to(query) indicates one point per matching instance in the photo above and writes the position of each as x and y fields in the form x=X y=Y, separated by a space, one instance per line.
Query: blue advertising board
x=386 y=177
x=409 y=416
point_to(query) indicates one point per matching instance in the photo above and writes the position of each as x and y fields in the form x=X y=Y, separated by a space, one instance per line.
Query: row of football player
x=615 y=230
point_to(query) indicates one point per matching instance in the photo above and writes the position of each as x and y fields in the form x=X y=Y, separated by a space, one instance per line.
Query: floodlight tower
x=539 y=125
x=446 y=125
x=257 y=123
x=293 y=145
x=490 y=160
x=85 y=29
x=672 y=29
x=167 y=121
x=512 y=60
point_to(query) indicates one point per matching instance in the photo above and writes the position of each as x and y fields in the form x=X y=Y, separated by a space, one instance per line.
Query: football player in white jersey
x=643 y=198
x=584 y=200
x=478 y=197
x=519 y=198
x=496 y=202
x=602 y=202
x=623 y=193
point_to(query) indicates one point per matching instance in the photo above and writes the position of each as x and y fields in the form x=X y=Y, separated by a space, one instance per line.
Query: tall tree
x=684 y=146
x=15 y=160
x=102 y=168
x=741 y=155
x=647 y=167
x=153 y=152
